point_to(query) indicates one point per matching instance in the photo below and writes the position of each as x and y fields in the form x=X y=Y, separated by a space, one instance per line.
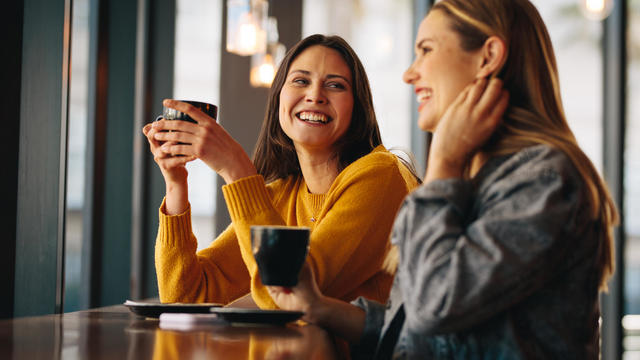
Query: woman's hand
x=173 y=170
x=305 y=296
x=206 y=140
x=466 y=125
x=339 y=317
x=172 y=167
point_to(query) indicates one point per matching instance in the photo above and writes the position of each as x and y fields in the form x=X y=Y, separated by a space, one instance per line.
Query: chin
x=426 y=124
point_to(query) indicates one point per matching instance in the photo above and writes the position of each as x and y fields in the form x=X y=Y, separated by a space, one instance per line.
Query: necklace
x=313 y=203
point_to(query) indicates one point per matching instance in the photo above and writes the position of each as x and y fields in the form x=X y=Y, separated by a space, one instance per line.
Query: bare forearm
x=177 y=198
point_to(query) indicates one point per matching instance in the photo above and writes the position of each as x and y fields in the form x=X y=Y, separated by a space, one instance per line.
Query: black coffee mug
x=280 y=252
x=173 y=114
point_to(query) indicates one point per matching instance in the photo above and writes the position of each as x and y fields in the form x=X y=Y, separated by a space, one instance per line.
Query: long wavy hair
x=275 y=156
x=535 y=114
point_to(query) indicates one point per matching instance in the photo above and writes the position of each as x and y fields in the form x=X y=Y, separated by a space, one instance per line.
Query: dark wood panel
x=40 y=208
x=161 y=39
x=118 y=165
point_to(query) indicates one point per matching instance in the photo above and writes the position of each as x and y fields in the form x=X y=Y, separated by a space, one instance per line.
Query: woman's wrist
x=177 y=198
x=316 y=312
x=443 y=169
x=238 y=173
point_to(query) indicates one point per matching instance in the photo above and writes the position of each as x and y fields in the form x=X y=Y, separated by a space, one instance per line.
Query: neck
x=319 y=169
x=478 y=160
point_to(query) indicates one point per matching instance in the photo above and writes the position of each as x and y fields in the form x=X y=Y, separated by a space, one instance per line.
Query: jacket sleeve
x=464 y=259
x=215 y=274
x=348 y=241
x=374 y=319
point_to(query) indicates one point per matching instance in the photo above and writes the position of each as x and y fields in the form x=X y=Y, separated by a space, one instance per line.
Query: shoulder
x=533 y=173
x=541 y=162
x=380 y=166
x=282 y=186
x=379 y=159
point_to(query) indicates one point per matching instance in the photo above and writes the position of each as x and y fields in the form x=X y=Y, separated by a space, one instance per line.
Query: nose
x=410 y=75
x=315 y=94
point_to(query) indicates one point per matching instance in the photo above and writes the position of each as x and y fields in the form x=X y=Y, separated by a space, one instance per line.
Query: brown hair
x=535 y=114
x=275 y=156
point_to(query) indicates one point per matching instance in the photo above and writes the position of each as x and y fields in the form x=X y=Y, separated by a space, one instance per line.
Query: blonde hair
x=535 y=114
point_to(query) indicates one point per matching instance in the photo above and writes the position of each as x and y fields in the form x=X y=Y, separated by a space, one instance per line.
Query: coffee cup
x=173 y=114
x=280 y=252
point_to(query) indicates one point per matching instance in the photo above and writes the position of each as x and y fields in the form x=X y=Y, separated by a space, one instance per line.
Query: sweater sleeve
x=463 y=260
x=351 y=235
x=215 y=274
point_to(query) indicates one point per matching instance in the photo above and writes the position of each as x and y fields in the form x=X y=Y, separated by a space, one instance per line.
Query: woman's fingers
x=169 y=162
x=497 y=111
x=193 y=111
x=175 y=136
x=146 y=128
x=175 y=125
x=490 y=96
x=173 y=149
x=476 y=90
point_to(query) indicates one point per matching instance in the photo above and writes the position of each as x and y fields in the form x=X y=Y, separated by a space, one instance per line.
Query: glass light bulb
x=246 y=34
x=247 y=38
x=263 y=70
x=266 y=72
x=596 y=9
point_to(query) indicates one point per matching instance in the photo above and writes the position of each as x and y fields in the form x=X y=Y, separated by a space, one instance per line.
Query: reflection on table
x=115 y=333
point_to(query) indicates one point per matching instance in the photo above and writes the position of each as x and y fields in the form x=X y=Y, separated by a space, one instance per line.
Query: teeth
x=423 y=95
x=313 y=117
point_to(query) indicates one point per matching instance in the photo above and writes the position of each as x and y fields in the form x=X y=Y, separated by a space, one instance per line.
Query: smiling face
x=316 y=100
x=441 y=69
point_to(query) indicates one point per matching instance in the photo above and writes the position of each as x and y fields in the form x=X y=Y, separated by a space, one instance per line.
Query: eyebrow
x=422 y=41
x=330 y=76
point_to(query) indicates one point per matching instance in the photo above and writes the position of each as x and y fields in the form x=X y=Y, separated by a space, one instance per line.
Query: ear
x=493 y=55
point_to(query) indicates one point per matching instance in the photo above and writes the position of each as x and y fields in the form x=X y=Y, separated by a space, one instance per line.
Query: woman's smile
x=314 y=118
x=316 y=100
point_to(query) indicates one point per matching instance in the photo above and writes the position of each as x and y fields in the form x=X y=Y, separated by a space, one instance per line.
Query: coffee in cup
x=280 y=252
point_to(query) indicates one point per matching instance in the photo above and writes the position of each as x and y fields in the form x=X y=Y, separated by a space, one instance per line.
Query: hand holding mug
x=172 y=167
x=205 y=139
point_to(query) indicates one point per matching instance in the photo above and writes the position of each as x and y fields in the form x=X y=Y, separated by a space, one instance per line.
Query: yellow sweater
x=349 y=235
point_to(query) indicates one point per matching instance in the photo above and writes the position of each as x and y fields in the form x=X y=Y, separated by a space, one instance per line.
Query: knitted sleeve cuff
x=174 y=230
x=246 y=197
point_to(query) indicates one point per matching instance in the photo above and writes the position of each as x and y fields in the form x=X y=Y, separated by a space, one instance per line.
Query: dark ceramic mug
x=280 y=252
x=173 y=114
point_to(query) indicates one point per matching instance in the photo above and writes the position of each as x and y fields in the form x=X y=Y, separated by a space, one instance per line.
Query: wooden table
x=116 y=333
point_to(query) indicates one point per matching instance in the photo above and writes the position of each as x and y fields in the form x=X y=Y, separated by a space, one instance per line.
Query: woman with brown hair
x=502 y=252
x=319 y=163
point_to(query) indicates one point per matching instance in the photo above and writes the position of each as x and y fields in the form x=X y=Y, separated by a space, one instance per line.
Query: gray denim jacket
x=502 y=266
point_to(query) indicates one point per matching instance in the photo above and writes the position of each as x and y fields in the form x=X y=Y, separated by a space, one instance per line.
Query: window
x=576 y=41
x=390 y=23
x=631 y=320
x=77 y=140
x=197 y=77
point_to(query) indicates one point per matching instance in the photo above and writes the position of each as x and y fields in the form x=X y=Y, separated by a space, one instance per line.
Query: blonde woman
x=502 y=252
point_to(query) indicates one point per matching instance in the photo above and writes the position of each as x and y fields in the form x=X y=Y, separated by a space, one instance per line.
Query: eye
x=300 y=81
x=336 y=85
x=424 y=50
